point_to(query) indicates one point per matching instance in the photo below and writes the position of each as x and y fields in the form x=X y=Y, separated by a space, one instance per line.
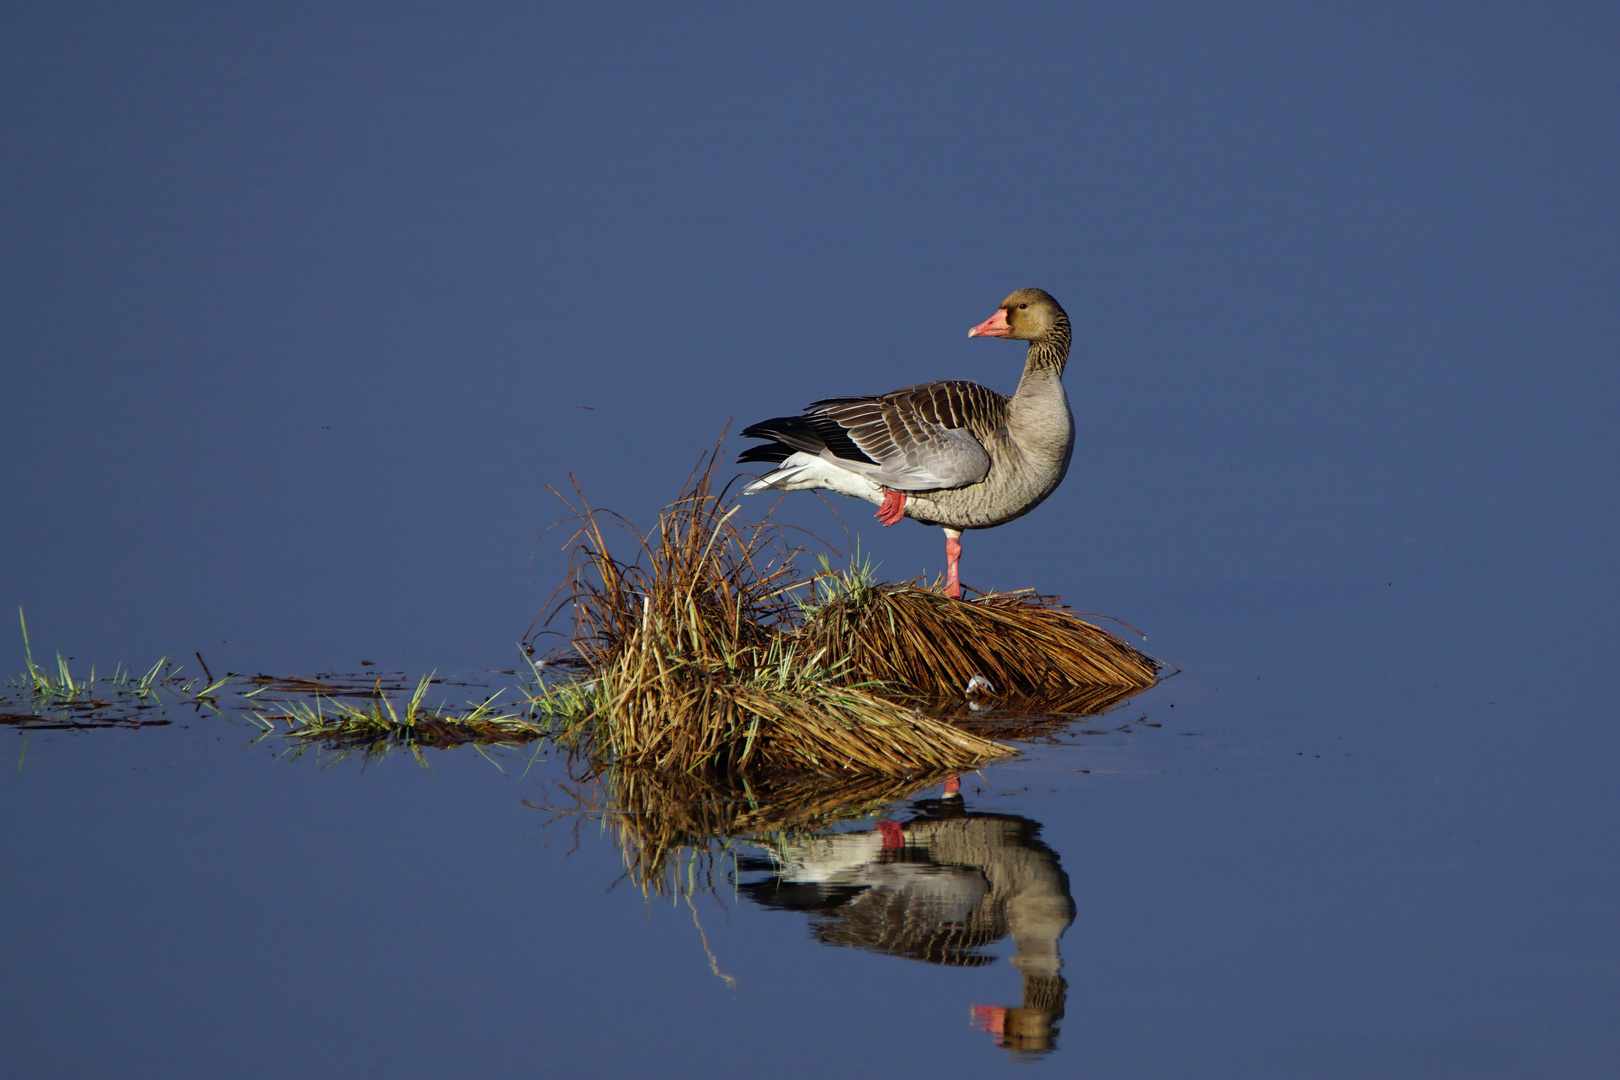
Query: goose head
x=1026 y=315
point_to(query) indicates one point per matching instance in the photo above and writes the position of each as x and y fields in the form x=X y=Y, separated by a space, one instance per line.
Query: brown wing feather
x=922 y=437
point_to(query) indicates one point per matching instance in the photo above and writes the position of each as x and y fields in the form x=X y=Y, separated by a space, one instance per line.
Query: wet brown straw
x=699 y=654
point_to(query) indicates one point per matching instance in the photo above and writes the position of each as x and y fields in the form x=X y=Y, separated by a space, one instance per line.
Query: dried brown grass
x=1022 y=643
x=699 y=654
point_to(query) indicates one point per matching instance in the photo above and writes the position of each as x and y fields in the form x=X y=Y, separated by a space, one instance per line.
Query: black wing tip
x=776 y=427
x=771 y=453
x=782 y=433
x=814 y=433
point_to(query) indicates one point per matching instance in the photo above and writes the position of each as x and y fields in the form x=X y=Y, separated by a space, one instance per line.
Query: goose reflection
x=938 y=887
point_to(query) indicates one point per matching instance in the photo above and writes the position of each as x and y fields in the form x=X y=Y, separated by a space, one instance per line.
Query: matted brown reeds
x=1021 y=643
x=704 y=652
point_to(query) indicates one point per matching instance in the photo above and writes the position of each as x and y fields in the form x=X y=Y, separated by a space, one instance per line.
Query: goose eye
x=1022 y=306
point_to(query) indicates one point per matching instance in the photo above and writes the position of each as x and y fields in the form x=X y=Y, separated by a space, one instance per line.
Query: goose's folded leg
x=893 y=507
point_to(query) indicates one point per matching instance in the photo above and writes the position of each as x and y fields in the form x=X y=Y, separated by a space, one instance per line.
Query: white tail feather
x=806 y=472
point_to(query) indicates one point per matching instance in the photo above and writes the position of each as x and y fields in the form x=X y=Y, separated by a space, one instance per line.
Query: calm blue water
x=303 y=310
x=1308 y=872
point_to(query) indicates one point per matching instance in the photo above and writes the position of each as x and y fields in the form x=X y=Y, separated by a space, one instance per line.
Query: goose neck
x=1047 y=357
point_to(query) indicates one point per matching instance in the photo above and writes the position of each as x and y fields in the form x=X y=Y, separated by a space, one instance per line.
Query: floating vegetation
x=328 y=686
x=69 y=721
x=311 y=712
x=57 y=699
x=376 y=727
x=709 y=652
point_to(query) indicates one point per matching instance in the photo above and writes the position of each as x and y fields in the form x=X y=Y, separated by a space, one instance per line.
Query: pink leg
x=893 y=834
x=953 y=580
x=893 y=508
x=953 y=786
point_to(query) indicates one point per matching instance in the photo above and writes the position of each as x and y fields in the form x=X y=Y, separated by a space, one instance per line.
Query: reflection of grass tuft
x=670 y=826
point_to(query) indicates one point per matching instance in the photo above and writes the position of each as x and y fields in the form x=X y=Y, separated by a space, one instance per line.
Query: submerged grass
x=709 y=651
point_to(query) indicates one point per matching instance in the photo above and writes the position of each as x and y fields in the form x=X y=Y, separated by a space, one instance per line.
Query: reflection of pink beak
x=994 y=326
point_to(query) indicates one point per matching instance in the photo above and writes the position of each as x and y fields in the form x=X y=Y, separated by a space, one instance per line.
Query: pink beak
x=994 y=326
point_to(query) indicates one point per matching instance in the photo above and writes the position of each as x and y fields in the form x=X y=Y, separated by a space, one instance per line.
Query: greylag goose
x=953 y=454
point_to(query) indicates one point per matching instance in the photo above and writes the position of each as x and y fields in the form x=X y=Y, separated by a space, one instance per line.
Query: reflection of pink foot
x=991 y=1018
x=893 y=508
x=953 y=786
x=894 y=835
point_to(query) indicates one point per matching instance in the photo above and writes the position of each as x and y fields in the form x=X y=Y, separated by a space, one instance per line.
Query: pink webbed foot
x=893 y=508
